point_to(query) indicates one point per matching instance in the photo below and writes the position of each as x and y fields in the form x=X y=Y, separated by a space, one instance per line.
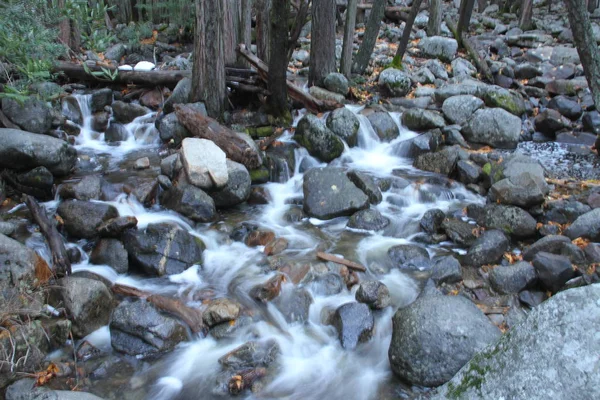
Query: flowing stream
x=312 y=364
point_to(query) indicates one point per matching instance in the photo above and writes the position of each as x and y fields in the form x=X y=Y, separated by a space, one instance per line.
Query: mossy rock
x=509 y=101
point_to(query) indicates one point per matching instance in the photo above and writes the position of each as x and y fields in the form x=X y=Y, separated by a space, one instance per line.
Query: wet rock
x=101 y=98
x=512 y=220
x=354 y=323
x=370 y=220
x=276 y=246
x=88 y=188
x=180 y=95
x=100 y=121
x=328 y=284
x=229 y=330
x=162 y=249
x=487 y=249
x=114 y=227
x=403 y=253
x=367 y=184
x=86 y=350
x=432 y=221
x=419 y=120
x=344 y=124
x=328 y=193
x=394 y=82
x=441 y=162
x=38 y=177
x=554 y=335
x=565 y=211
x=429 y=351
x=458 y=109
x=374 y=294
x=116 y=133
x=324 y=94
x=110 y=252
x=141 y=163
x=438 y=47
x=127 y=112
x=26 y=150
x=237 y=189
x=550 y=244
x=204 y=163
x=549 y=122
x=294 y=304
x=591 y=122
x=219 y=311
x=251 y=355
x=337 y=83
x=319 y=141
x=553 y=270
x=495 y=127
x=26 y=389
x=259 y=238
x=32 y=115
x=169 y=129
x=384 y=126
x=138 y=328
x=468 y=172
x=81 y=218
x=566 y=107
x=87 y=303
x=71 y=109
x=425 y=143
x=446 y=270
x=507 y=100
x=586 y=226
x=267 y=291
x=512 y=278
x=460 y=232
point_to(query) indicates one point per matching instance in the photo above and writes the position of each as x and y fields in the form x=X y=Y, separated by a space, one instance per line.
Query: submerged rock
x=354 y=323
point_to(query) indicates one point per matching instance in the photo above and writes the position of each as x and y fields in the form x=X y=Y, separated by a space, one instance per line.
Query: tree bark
x=199 y=60
x=526 y=14
x=322 y=49
x=397 y=62
x=278 y=60
x=231 y=12
x=64 y=26
x=464 y=18
x=583 y=37
x=215 y=91
x=361 y=61
x=245 y=28
x=262 y=29
x=346 y=62
x=435 y=18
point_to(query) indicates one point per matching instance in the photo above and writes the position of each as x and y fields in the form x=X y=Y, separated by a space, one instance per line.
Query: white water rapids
x=312 y=364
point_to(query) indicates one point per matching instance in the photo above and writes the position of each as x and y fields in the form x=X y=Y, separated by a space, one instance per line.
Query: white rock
x=125 y=68
x=204 y=163
x=144 y=66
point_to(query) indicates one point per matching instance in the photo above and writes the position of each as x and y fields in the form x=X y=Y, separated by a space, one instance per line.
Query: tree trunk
x=278 y=63
x=322 y=49
x=583 y=35
x=301 y=18
x=397 y=62
x=198 y=71
x=245 y=28
x=64 y=26
x=262 y=29
x=215 y=91
x=231 y=12
x=368 y=43
x=435 y=18
x=464 y=18
x=526 y=13
x=346 y=62
x=592 y=5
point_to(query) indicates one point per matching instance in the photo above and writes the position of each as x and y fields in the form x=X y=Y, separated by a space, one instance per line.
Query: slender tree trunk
x=278 y=61
x=397 y=62
x=592 y=5
x=230 y=34
x=583 y=35
x=301 y=18
x=262 y=29
x=245 y=28
x=435 y=18
x=198 y=71
x=367 y=45
x=346 y=62
x=464 y=18
x=526 y=14
x=322 y=41
x=64 y=27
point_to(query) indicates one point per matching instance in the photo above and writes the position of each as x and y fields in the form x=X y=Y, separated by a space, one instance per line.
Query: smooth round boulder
x=394 y=82
x=344 y=124
x=318 y=139
x=374 y=294
x=237 y=189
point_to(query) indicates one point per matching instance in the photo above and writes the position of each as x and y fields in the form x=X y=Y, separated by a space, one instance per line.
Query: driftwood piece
x=244 y=379
x=234 y=146
x=338 y=260
x=61 y=265
x=473 y=48
x=191 y=316
x=294 y=92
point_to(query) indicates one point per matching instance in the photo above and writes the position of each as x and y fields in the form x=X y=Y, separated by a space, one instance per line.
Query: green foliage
x=13 y=93
x=104 y=74
x=133 y=33
x=94 y=34
x=177 y=12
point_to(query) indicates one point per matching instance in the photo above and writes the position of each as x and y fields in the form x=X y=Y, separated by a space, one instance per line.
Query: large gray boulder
x=88 y=188
x=27 y=389
x=237 y=189
x=318 y=139
x=438 y=47
x=169 y=129
x=81 y=218
x=417 y=119
x=550 y=355
x=204 y=163
x=586 y=226
x=33 y=115
x=458 y=109
x=434 y=337
x=109 y=251
x=344 y=124
x=163 y=249
x=511 y=220
x=26 y=150
x=523 y=182
x=328 y=193
x=505 y=99
x=495 y=127
x=441 y=162
x=127 y=112
x=191 y=202
x=394 y=82
x=487 y=249
x=180 y=95
x=138 y=328
x=384 y=126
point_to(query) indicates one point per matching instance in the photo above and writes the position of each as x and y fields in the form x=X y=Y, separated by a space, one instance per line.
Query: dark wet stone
x=374 y=294
x=460 y=232
x=251 y=354
x=354 y=323
x=294 y=304
x=553 y=270
x=432 y=221
x=114 y=227
x=219 y=311
x=487 y=249
x=368 y=220
x=81 y=218
x=327 y=284
x=88 y=188
x=367 y=184
x=403 y=253
x=446 y=270
x=110 y=252
x=512 y=278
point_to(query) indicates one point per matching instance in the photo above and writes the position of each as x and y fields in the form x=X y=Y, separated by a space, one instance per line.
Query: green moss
x=472 y=378
x=487 y=169
x=259 y=175
x=397 y=63
x=260 y=131
x=199 y=243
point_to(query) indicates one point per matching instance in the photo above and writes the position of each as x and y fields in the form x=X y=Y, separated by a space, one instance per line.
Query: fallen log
x=474 y=50
x=235 y=147
x=191 y=316
x=61 y=265
x=338 y=260
x=245 y=379
x=294 y=92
